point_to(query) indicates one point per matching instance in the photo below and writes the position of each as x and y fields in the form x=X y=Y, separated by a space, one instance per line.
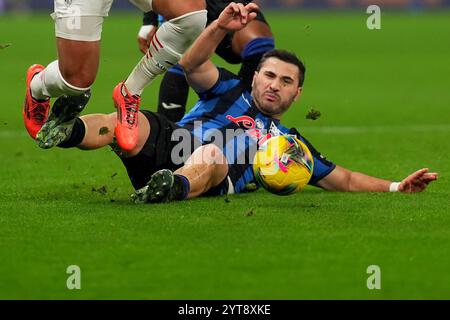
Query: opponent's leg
x=45 y=84
x=72 y=74
x=185 y=20
x=78 y=27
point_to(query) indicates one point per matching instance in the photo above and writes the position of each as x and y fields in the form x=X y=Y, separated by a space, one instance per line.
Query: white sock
x=49 y=83
x=171 y=40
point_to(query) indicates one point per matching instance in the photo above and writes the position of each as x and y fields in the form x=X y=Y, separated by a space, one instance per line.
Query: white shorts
x=82 y=20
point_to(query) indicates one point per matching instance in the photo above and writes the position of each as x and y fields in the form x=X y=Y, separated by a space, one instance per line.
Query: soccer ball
x=283 y=165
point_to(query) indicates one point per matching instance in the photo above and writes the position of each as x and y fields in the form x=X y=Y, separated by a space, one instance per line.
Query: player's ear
x=254 y=78
x=299 y=93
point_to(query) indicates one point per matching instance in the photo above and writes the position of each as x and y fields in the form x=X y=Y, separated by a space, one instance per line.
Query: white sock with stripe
x=50 y=84
x=171 y=40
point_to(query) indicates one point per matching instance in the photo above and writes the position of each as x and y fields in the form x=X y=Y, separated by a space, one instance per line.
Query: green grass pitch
x=384 y=97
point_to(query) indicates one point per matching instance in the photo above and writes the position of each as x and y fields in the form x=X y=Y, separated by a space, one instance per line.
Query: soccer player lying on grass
x=78 y=26
x=223 y=104
x=245 y=47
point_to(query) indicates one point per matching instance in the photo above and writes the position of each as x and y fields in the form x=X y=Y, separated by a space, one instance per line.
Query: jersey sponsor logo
x=250 y=125
x=244 y=122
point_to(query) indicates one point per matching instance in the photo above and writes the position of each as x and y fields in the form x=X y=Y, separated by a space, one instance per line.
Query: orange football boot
x=35 y=112
x=127 y=105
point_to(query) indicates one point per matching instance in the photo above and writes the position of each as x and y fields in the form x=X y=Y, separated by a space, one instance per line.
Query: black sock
x=173 y=92
x=77 y=135
x=181 y=187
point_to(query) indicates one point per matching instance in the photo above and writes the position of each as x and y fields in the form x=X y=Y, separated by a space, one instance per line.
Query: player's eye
x=270 y=75
x=288 y=81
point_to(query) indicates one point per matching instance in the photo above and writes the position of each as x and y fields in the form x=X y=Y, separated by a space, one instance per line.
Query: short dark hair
x=288 y=57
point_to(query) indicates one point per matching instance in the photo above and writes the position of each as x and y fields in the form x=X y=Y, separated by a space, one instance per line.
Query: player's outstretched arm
x=341 y=179
x=201 y=73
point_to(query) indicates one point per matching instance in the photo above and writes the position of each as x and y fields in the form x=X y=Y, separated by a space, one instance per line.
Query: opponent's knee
x=190 y=25
x=78 y=78
x=55 y=84
x=176 y=8
x=178 y=34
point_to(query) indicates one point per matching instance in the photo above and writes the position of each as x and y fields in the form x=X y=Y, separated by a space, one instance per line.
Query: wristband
x=145 y=31
x=394 y=187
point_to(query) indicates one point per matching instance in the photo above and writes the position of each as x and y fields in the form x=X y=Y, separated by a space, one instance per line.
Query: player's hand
x=145 y=35
x=417 y=181
x=236 y=16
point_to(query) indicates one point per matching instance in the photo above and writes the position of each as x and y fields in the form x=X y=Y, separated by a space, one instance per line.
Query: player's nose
x=275 y=85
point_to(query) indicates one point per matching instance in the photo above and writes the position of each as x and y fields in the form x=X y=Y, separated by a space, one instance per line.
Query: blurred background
x=22 y=5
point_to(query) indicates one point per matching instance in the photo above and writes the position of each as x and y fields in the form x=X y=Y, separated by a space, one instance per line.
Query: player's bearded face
x=275 y=87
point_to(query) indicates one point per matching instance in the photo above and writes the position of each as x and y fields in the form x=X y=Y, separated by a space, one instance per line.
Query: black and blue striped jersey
x=227 y=116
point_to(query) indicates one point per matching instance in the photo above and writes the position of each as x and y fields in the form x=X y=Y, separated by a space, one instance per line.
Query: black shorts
x=225 y=50
x=156 y=154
